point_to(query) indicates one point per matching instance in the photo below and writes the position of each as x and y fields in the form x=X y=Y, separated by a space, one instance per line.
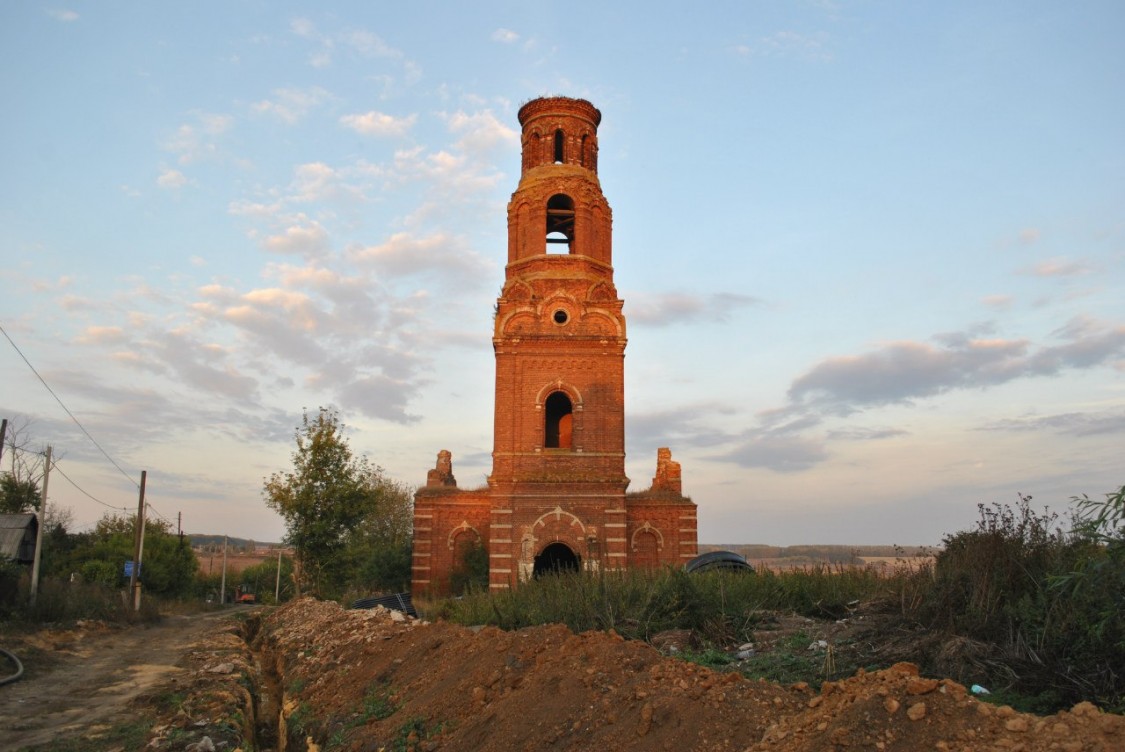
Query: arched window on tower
x=560 y=142
x=582 y=151
x=560 y=223
x=559 y=422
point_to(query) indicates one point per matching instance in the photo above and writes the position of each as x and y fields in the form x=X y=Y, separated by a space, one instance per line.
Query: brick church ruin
x=556 y=497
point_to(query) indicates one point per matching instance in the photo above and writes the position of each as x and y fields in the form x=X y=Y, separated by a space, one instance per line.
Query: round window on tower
x=561 y=317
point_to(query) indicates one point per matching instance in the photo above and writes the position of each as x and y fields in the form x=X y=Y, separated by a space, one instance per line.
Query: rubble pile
x=365 y=680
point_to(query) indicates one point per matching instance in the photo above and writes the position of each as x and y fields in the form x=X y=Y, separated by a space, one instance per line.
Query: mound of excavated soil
x=365 y=680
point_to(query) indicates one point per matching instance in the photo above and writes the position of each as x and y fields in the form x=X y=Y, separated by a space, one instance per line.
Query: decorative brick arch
x=560 y=298
x=457 y=532
x=559 y=385
x=647 y=528
x=645 y=546
x=606 y=324
x=558 y=526
x=519 y=322
x=519 y=291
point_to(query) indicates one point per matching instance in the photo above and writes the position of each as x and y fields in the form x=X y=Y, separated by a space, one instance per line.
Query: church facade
x=556 y=497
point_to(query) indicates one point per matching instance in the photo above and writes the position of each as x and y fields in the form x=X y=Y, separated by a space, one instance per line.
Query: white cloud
x=369 y=44
x=780 y=453
x=666 y=309
x=1073 y=424
x=999 y=302
x=436 y=254
x=1058 y=267
x=101 y=335
x=198 y=141
x=901 y=372
x=506 y=36
x=290 y=105
x=481 y=132
x=171 y=179
x=303 y=27
x=375 y=123
x=307 y=238
x=359 y=42
x=66 y=16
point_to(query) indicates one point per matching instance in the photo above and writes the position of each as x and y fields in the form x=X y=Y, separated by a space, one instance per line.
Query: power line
x=59 y=470
x=64 y=407
x=152 y=509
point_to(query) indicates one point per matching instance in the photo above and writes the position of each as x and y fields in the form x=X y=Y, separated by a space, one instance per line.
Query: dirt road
x=83 y=679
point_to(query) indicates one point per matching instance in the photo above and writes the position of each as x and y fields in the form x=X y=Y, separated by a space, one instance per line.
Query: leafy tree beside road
x=350 y=526
x=18 y=496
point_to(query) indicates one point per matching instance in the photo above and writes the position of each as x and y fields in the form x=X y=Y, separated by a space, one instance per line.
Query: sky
x=872 y=253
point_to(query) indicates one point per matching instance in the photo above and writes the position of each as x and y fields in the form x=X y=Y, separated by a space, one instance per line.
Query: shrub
x=1049 y=604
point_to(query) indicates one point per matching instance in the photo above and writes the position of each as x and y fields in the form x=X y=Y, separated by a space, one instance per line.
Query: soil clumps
x=368 y=680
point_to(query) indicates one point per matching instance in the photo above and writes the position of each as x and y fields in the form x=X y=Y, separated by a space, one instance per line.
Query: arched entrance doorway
x=555 y=559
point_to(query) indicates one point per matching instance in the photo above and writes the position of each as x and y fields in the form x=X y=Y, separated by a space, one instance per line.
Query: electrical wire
x=55 y=467
x=65 y=408
x=152 y=509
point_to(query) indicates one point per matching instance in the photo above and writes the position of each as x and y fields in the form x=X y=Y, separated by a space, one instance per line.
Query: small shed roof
x=17 y=537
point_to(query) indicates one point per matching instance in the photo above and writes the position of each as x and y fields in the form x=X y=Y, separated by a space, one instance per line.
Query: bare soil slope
x=312 y=676
x=367 y=680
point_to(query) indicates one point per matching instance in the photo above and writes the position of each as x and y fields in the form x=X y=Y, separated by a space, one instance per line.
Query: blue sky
x=872 y=253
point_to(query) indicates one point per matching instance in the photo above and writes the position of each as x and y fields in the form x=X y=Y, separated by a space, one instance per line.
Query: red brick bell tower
x=556 y=497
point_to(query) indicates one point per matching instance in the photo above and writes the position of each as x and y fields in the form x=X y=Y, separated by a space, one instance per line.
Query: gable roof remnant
x=17 y=537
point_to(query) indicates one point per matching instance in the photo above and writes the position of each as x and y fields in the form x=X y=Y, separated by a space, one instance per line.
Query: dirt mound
x=365 y=680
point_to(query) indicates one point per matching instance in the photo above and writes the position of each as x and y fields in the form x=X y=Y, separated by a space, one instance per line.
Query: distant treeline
x=215 y=543
x=831 y=554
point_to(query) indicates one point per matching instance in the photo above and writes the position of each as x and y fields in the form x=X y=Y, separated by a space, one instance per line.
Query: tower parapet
x=560 y=130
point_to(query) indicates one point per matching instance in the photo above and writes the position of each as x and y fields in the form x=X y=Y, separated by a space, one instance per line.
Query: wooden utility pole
x=223 y=587
x=277 y=584
x=41 y=520
x=138 y=546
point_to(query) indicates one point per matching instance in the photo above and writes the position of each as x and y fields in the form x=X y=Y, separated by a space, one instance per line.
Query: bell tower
x=556 y=496
x=559 y=338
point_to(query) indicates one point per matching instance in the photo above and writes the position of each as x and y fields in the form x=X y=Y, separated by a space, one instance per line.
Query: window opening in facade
x=560 y=141
x=559 y=426
x=560 y=223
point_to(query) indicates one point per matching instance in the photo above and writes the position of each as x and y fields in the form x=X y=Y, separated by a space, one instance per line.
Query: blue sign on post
x=129 y=569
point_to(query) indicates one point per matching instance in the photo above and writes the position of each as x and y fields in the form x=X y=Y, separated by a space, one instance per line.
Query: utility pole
x=277 y=585
x=223 y=587
x=138 y=546
x=41 y=519
x=3 y=435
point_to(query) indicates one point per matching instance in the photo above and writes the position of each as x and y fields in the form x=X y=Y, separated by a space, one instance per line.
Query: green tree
x=341 y=513
x=378 y=551
x=168 y=564
x=18 y=496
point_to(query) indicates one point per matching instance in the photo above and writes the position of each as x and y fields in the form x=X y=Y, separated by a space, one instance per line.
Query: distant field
x=212 y=563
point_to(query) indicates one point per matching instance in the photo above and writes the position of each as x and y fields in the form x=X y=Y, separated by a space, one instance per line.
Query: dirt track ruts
x=85 y=678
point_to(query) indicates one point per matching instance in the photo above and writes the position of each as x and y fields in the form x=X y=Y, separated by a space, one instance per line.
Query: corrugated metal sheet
x=17 y=537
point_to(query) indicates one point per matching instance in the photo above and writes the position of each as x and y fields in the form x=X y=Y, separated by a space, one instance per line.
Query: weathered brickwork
x=556 y=497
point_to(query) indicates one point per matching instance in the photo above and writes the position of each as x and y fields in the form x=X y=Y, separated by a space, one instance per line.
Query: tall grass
x=1017 y=604
x=720 y=605
x=63 y=601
